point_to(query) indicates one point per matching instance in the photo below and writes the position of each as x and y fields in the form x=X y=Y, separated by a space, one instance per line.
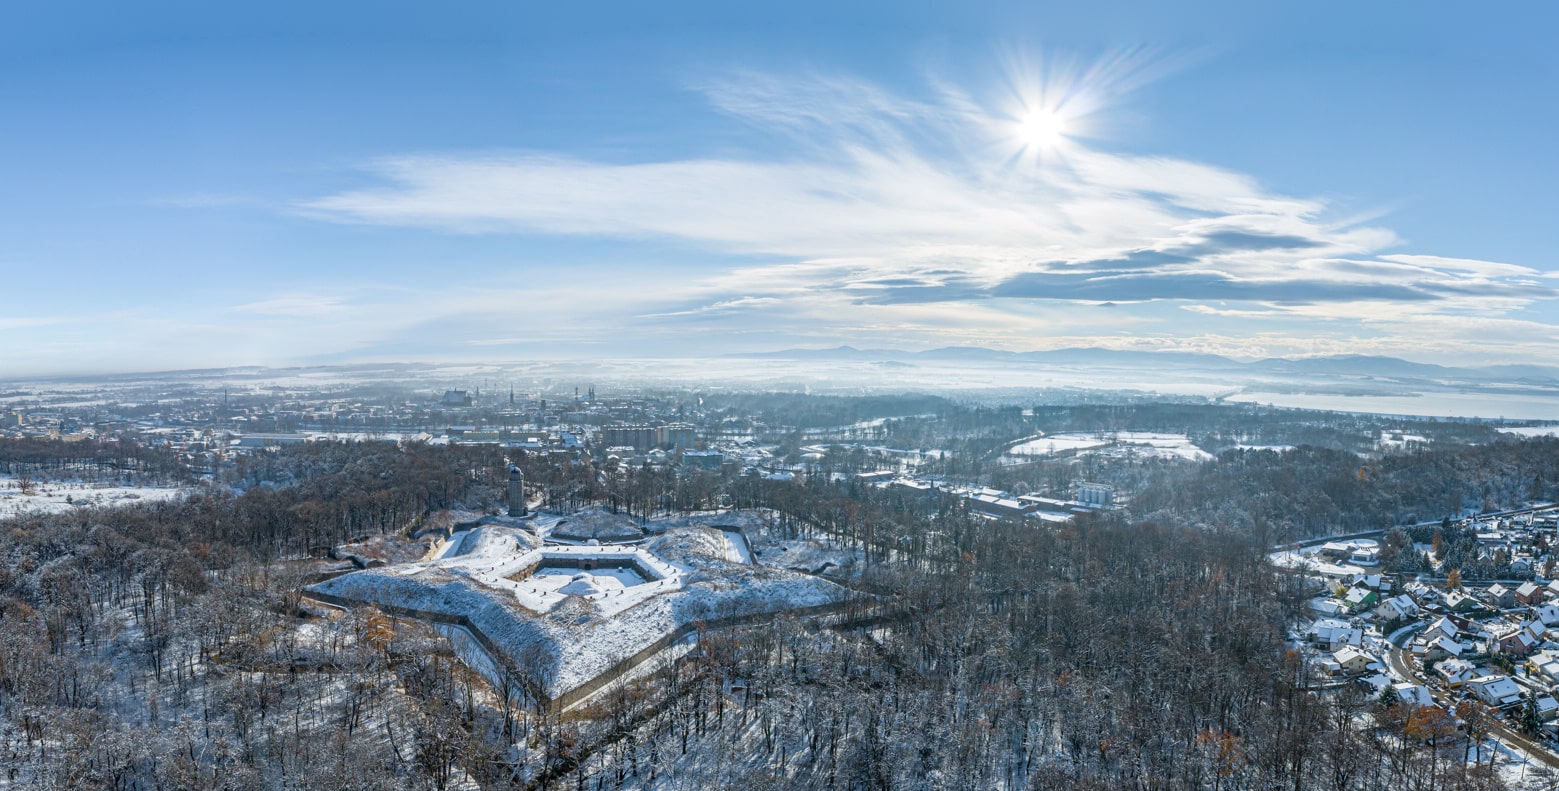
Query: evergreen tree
x=1388 y=697
x=1529 y=719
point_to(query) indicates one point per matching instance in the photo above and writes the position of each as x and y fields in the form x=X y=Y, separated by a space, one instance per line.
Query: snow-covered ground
x=566 y=630
x=737 y=549
x=1518 y=770
x=1058 y=443
x=1138 y=444
x=56 y=497
x=1399 y=440
x=1309 y=559
x=1532 y=431
x=495 y=561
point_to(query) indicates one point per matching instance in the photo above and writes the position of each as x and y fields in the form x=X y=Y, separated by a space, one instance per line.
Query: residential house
x=1499 y=690
x=1530 y=593
x=1524 y=640
x=1543 y=665
x=1548 y=614
x=1397 y=608
x=1413 y=695
x=1349 y=660
x=1326 y=605
x=1332 y=634
x=1547 y=707
x=1459 y=602
x=1441 y=627
x=1501 y=596
x=1359 y=599
x=1376 y=683
x=1438 y=648
x=1456 y=672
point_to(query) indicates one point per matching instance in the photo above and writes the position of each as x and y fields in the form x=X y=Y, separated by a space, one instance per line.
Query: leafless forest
x=163 y=646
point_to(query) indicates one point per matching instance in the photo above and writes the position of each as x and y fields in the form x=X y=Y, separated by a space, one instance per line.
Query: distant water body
x=1490 y=406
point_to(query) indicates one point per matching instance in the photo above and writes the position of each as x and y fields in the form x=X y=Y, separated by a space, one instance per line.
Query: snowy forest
x=164 y=645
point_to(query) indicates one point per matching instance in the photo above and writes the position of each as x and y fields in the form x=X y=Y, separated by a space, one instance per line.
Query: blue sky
x=199 y=184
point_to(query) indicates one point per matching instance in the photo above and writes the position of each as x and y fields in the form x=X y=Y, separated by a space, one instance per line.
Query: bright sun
x=1041 y=129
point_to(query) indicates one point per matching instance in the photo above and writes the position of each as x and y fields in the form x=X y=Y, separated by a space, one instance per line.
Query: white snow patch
x=1135 y=444
x=60 y=496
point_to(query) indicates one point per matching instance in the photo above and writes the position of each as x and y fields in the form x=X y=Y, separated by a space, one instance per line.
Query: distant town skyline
x=281 y=184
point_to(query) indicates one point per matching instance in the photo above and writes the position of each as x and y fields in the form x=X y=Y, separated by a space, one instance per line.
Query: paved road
x=1404 y=666
x=1318 y=540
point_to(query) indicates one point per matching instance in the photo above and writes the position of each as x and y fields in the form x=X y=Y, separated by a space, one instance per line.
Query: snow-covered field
x=56 y=497
x=1136 y=444
x=1398 y=440
x=1058 y=443
x=1310 y=559
x=1531 y=431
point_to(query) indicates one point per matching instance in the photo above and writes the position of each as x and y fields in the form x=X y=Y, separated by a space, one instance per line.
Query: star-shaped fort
x=554 y=608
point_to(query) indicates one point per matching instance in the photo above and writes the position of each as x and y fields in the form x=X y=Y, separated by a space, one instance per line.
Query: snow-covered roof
x=1416 y=695
x=1443 y=625
x=1502 y=690
x=1326 y=605
x=1349 y=653
x=1455 y=669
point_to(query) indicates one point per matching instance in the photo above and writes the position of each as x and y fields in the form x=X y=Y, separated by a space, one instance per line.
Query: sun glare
x=1041 y=128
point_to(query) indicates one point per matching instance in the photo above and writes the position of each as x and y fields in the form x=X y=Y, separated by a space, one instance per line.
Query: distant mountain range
x=1336 y=365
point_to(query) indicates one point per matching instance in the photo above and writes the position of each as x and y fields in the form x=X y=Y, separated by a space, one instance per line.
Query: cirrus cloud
x=881 y=207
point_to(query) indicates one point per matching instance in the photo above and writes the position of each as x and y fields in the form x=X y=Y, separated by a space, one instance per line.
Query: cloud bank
x=927 y=220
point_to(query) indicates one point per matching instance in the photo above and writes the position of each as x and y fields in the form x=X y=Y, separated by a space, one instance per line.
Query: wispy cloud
x=301 y=305
x=882 y=207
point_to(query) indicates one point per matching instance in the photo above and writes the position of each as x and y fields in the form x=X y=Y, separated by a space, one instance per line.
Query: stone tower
x=516 y=491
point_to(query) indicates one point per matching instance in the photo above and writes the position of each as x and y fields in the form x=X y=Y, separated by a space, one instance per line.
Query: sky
x=211 y=184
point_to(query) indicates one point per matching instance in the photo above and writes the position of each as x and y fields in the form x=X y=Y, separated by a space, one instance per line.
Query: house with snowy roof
x=1375 y=582
x=1332 y=634
x=1521 y=641
x=1548 y=614
x=1349 y=660
x=1397 y=608
x=1326 y=605
x=1439 y=627
x=1437 y=648
x=1459 y=602
x=1530 y=593
x=1547 y=707
x=1376 y=683
x=1500 y=596
x=1413 y=695
x=1456 y=672
x=1499 y=690
x=1544 y=665
x=1359 y=599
